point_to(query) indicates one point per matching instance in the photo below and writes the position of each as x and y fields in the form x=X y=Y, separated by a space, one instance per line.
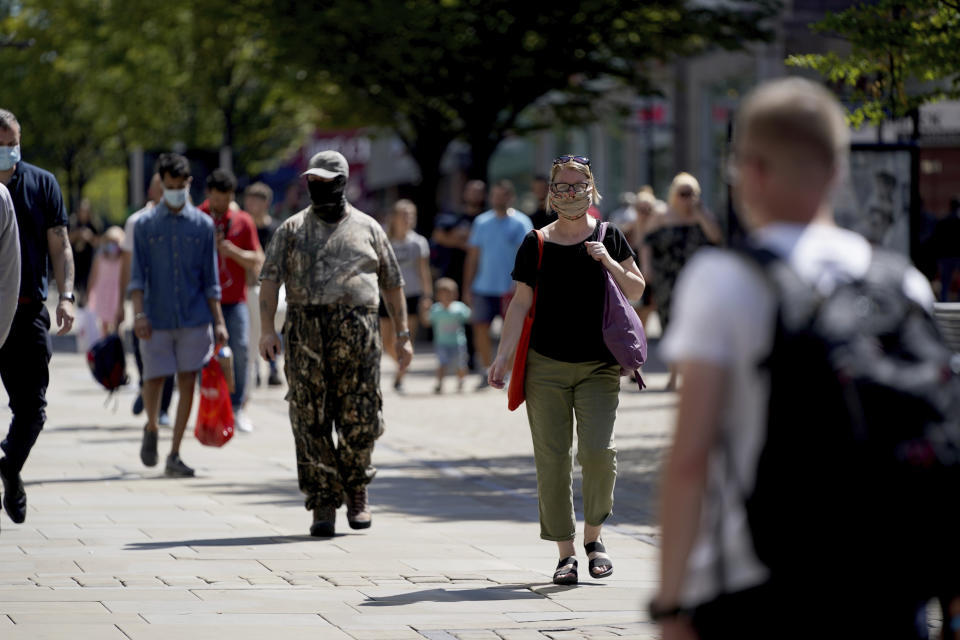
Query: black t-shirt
x=568 y=321
x=265 y=233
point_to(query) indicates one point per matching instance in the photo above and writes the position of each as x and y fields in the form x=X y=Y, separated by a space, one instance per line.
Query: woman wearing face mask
x=671 y=240
x=570 y=372
x=104 y=284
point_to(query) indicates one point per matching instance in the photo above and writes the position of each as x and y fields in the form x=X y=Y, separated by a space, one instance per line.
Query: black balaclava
x=329 y=201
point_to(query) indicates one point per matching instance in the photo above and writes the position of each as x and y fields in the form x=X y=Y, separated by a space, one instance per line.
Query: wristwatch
x=658 y=612
x=68 y=296
x=403 y=334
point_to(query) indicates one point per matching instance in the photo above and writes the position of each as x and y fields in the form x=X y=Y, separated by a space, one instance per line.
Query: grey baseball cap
x=328 y=164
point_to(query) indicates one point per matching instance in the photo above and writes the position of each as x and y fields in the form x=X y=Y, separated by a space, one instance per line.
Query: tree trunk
x=427 y=151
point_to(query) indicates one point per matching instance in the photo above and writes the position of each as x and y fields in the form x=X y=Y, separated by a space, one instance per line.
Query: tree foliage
x=902 y=55
x=439 y=70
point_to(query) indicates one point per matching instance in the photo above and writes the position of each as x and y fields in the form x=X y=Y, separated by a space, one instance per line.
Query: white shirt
x=127 y=244
x=9 y=263
x=723 y=313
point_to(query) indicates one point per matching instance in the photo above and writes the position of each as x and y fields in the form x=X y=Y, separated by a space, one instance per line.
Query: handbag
x=516 y=391
x=622 y=330
x=215 y=413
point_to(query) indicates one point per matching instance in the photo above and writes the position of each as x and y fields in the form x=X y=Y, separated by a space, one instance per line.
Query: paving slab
x=113 y=550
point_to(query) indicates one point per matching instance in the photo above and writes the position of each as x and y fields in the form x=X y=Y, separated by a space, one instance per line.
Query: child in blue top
x=448 y=317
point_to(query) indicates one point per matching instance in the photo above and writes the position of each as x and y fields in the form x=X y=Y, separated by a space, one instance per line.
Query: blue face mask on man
x=9 y=157
x=175 y=198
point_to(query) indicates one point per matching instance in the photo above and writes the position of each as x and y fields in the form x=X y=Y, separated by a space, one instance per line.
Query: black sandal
x=566 y=577
x=597 y=547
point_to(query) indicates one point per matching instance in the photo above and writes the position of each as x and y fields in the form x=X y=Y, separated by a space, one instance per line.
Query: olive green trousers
x=556 y=393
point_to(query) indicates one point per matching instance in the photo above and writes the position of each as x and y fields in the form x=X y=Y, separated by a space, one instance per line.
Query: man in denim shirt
x=175 y=289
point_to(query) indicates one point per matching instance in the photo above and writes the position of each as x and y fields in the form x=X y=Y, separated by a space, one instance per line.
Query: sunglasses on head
x=584 y=160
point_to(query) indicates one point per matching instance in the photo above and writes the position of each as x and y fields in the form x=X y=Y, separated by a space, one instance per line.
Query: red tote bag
x=215 y=413
x=516 y=392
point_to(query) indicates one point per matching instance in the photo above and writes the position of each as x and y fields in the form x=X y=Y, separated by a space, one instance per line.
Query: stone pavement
x=111 y=549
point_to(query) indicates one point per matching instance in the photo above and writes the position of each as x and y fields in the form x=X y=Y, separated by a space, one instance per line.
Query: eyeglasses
x=584 y=160
x=566 y=187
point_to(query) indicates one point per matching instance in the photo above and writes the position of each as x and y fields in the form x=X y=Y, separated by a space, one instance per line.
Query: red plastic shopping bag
x=215 y=414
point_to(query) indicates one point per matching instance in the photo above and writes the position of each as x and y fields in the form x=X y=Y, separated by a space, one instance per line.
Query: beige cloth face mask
x=570 y=205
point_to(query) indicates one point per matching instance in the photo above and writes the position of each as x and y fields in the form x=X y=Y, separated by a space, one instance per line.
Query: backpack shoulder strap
x=797 y=301
x=603 y=231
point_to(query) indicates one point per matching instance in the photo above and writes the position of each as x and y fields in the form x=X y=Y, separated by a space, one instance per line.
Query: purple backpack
x=622 y=329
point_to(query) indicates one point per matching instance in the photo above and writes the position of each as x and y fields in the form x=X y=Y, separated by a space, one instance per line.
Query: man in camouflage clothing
x=334 y=261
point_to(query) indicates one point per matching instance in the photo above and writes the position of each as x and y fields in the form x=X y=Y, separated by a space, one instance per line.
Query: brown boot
x=358 y=512
x=324 y=521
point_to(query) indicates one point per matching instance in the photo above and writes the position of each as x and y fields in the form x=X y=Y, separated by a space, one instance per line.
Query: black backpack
x=108 y=363
x=858 y=479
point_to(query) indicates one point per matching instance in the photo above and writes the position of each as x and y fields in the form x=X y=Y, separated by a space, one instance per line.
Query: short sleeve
x=476 y=234
x=128 y=226
x=55 y=214
x=423 y=246
x=525 y=264
x=617 y=245
x=717 y=302
x=388 y=270
x=275 y=263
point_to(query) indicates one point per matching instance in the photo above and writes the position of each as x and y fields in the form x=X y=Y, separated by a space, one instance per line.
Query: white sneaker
x=242 y=422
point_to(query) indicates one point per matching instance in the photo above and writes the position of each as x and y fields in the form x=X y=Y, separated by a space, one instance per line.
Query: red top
x=238 y=227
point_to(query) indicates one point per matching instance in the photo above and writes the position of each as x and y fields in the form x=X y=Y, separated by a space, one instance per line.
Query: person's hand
x=497 y=372
x=226 y=248
x=404 y=353
x=269 y=346
x=468 y=298
x=678 y=629
x=142 y=327
x=598 y=252
x=65 y=316
x=220 y=333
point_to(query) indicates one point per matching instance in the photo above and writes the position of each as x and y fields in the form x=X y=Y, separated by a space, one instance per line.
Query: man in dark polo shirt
x=25 y=356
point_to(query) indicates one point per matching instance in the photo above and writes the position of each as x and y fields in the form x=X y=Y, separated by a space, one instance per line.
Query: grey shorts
x=170 y=351
x=455 y=354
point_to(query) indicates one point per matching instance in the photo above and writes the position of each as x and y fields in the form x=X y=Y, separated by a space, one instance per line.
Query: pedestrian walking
x=175 y=289
x=670 y=242
x=570 y=371
x=84 y=233
x=9 y=263
x=154 y=194
x=25 y=356
x=540 y=189
x=413 y=255
x=451 y=232
x=238 y=253
x=334 y=261
x=494 y=239
x=257 y=199
x=104 y=285
x=448 y=317
x=648 y=208
x=731 y=323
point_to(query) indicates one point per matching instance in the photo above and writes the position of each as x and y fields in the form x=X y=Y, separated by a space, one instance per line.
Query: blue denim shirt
x=175 y=265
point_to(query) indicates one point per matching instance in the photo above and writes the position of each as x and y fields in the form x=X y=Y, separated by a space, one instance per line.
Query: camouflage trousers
x=333 y=371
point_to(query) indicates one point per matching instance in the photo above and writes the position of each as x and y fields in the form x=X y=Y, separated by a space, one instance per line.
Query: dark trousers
x=24 y=369
x=167 y=383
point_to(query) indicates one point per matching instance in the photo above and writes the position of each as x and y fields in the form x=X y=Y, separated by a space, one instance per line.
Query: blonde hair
x=114 y=234
x=682 y=179
x=797 y=120
x=401 y=207
x=580 y=168
x=447 y=284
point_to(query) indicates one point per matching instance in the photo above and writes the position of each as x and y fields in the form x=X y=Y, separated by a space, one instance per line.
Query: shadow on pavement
x=482 y=489
x=484 y=594
x=248 y=541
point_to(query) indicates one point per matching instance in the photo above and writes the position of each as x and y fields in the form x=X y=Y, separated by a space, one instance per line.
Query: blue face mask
x=175 y=198
x=9 y=157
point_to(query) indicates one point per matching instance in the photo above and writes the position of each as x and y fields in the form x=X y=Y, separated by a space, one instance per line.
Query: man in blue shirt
x=175 y=289
x=492 y=248
x=25 y=356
